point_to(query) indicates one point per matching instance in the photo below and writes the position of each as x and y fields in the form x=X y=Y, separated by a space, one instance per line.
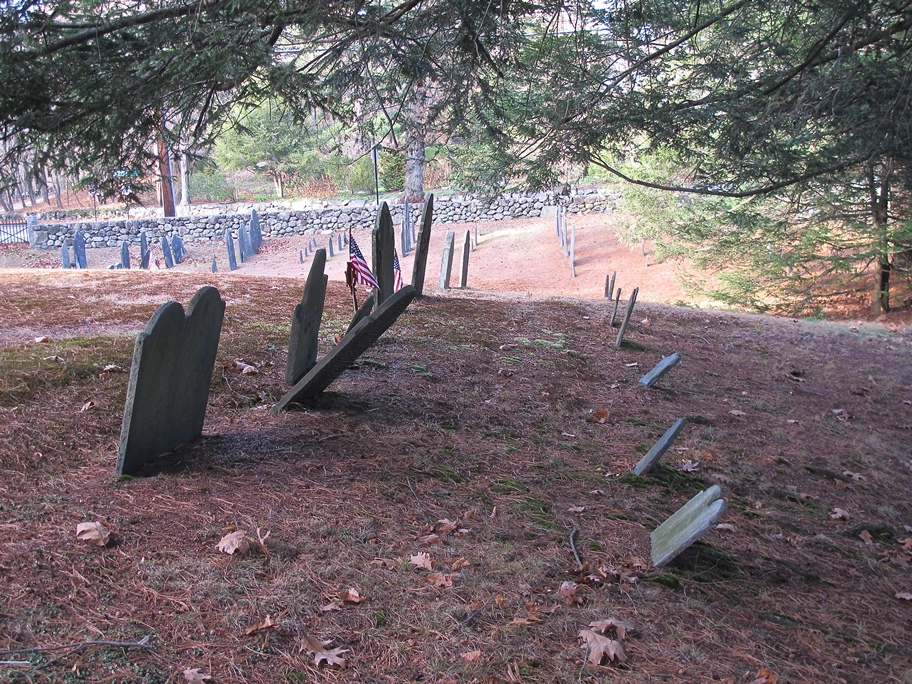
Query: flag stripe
x=363 y=273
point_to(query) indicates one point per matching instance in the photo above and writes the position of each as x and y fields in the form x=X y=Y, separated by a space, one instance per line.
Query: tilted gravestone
x=355 y=343
x=256 y=233
x=232 y=257
x=662 y=367
x=166 y=253
x=659 y=448
x=446 y=264
x=686 y=525
x=627 y=314
x=383 y=244
x=617 y=302
x=178 y=251
x=79 y=249
x=305 y=323
x=65 y=256
x=173 y=360
x=466 y=249
x=422 y=243
x=124 y=254
x=363 y=311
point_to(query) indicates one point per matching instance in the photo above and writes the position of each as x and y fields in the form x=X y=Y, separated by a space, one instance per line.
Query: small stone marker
x=329 y=246
x=659 y=448
x=145 y=258
x=173 y=360
x=124 y=254
x=143 y=243
x=446 y=264
x=609 y=285
x=214 y=265
x=627 y=314
x=383 y=243
x=355 y=343
x=466 y=248
x=301 y=256
x=363 y=311
x=256 y=234
x=305 y=323
x=79 y=249
x=617 y=301
x=65 y=256
x=244 y=245
x=232 y=257
x=573 y=250
x=166 y=253
x=686 y=525
x=339 y=242
x=476 y=237
x=662 y=367
x=422 y=242
x=177 y=248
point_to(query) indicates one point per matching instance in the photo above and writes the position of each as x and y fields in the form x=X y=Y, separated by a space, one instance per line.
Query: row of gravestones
x=567 y=237
x=174 y=357
x=250 y=239
x=173 y=252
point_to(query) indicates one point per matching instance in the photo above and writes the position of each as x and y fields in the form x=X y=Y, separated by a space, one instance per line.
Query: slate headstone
x=627 y=314
x=446 y=264
x=65 y=256
x=79 y=249
x=573 y=250
x=686 y=525
x=659 y=448
x=422 y=243
x=339 y=242
x=143 y=244
x=363 y=311
x=384 y=248
x=173 y=360
x=301 y=256
x=256 y=233
x=609 y=285
x=662 y=367
x=214 y=265
x=476 y=237
x=144 y=258
x=124 y=254
x=617 y=302
x=244 y=246
x=355 y=343
x=166 y=253
x=177 y=248
x=466 y=248
x=305 y=323
x=329 y=246
x=232 y=257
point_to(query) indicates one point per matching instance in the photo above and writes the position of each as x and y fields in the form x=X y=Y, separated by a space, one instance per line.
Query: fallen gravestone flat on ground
x=659 y=448
x=662 y=367
x=173 y=360
x=305 y=323
x=355 y=343
x=686 y=525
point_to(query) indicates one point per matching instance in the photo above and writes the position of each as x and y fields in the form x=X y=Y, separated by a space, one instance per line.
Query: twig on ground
x=143 y=643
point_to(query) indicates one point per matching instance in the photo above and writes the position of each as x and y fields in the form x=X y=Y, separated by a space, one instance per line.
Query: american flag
x=397 y=273
x=363 y=273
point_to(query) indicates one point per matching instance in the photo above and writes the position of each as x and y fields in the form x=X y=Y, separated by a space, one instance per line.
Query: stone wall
x=283 y=222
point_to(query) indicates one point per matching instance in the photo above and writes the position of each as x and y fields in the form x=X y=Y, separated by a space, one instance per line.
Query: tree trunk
x=185 y=179
x=27 y=181
x=278 y=180
x=166 y=178
x=57 y=197
x=43 y=187
x=880 y=198
x=416 y=116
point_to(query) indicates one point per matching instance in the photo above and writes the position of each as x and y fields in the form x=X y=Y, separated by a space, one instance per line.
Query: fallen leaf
x=726 y=527
x=907 y=544
x=576 y=509
x=736 y=412
x=839 y=514
x=334 y=605
x=194 y=676
x=383 y=563
x=88 y=406
x=459 y=564
x=234 y=542
x=421 y=560
x=471 y=656
x=114 y=368
x=600 y=647
x=438 y=579
x=321 y=653
x=265 y=623
x=445 y=526
x=904 y=595
x=350 y=596
x=42 y=339
x=338 y=337
x=430 y=539
x=765 y=676
x=246 y=368
x=600 y=415
x=620 y=626
x=866 y=537
x=528 y=620
x=93 y=532
x=500 y=601
x=58 y=359
x=689 y=466
x=568 y=593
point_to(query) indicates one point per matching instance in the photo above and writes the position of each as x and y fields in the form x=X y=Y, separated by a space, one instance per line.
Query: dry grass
x=473 y=411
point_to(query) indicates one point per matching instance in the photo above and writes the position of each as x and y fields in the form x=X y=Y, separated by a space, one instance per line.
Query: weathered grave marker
x=65 y=256
x=422 y=243
x=79 y=249
x=145 y=253
x=244 y=246
x=214 y=265
x=232 y=257
x=659 y=448
x=617 y=301
x=363 y=311
x=178 y=251
x=573 y=250
x=662 y=367
x=609 y=285
x=166 y=253
x=173 y=360
x=627 y=314
x=466 y=248
x=329 y=246
x=446 y=264
x=305 y=323
x=145 y=258
x=384 y=247
x=124 y=254
x=256 y=234
x=339 y=241
x=476 y=237
x=355 y=343
x=686 y=525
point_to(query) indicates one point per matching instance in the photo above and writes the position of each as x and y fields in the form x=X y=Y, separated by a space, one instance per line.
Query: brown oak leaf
x=421 y=560
x=265 y=623
x=621 y=627
x=459 y=564
x=568 y=593
x=194 y=676
x=320 y=653
x=471 y=656
x=93 y=532
x=234 y=542
x=438 y=579
x=601 y=647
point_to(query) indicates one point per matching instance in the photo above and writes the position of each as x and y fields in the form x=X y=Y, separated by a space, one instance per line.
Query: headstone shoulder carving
x=686 y=525
x=662 y=367
x=422 y=244
x=173 y=360
x=659 y=448
x=305 y=324
x=355 y=343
